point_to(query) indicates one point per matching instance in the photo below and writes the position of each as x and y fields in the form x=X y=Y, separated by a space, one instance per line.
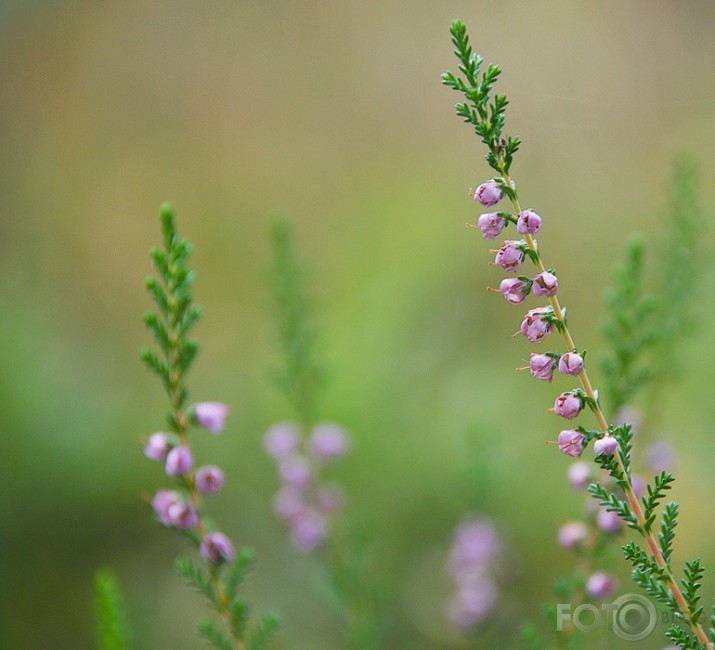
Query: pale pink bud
x=179 y=461
x=514 y=290
x=571 y=363
x=282 y=439
x=157 y=446
x=572 y=534
x=288 y=502
x=209 y=479
x=488 y=194
x=545 y=284
x=329 y=441
x=606 y=446
x=528 y=222
x=568 y=406
x=182 y=515
x=510 y=255
x=472 y=602
x=571 y=442
x=535 y=326
x=211 y=415
x=579 y=475
x=216 y=547
x=491 y=224
x=161 y=503
x=609 y=522
x=541 y=366
x=601 y=585
x=295 y=470
x=308 y=530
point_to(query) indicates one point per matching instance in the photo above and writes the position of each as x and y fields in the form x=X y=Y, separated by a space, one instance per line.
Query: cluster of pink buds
x=179 y=508
x=475 y=550
x=305 y=501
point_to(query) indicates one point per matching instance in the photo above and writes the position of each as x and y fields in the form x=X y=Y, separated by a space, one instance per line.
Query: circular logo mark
x=634 y=617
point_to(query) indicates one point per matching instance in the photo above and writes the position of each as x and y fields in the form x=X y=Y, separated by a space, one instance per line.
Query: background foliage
x=334 y=114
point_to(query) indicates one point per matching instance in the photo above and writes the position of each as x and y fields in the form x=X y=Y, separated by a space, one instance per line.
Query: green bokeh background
x=332 y=113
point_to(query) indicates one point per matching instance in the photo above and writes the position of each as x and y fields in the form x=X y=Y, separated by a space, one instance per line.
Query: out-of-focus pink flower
x=216 y=547
x=211 y=415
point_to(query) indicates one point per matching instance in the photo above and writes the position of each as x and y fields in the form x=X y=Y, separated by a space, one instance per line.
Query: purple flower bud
x=472 y=602
x=571 y=442
x=601 y=585
x=209 y=479
x=545 y=284
x=282 y=439
x=330 y=498
x=158 y=446
x=215 y=548
x=609 y=522
x=571 y=363
x=161 y=503
x=328 y=441
x=476 y=543
x=182 y=515
x=488 y=194
x=660 y=456
x=579 y=475
x=535 y=325
x=568 y=406
x=528 y=222
x=308 y=530
x=514 y=290
x=211 y=415
x=541 y=366
x=179 y=461
x=288 y=502
x=491 y=224
x=295 y=470
x=510 y=255
x=572 y=534
x=606 y=446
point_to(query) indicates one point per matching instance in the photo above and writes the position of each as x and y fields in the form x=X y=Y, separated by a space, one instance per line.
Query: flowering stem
x=631 y=497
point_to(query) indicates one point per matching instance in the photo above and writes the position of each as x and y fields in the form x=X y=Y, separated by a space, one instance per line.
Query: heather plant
x=614 y=485
x=218 y=571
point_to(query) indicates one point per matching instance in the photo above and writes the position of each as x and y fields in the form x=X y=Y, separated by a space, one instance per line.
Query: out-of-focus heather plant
x=305 y=450
x=218 y=571
x=113 y=632
x=618 y=493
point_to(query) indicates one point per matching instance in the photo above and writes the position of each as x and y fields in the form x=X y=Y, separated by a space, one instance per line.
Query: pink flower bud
x=488 y=194
x=545 y=284
x=528 y=222
x=571 y=363
x=572 y=534
x=535 y=326
x=606 y=446
x=491 y=224
x=571 y=442
x=282 y=439
x=471 y=603
x=609 y=522
x=211 y=415
x=601 y=585
x=308 y=530
x=209 y=479
x=568 y=406
x=329 y=442
x=161 y=503
x=514 y=290
x=288 y=502
x=510 y=255
x=182 y=515
x=541 y=366
x=179 y=461
x=579 y=475
x=158 y=446
x=295 y=470
x=216 y=547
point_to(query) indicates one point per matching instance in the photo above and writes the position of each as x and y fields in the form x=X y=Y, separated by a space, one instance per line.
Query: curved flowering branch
x=182 y=508
x=611 y=445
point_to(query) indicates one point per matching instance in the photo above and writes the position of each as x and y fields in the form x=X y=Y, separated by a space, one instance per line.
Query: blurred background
x=333 y=114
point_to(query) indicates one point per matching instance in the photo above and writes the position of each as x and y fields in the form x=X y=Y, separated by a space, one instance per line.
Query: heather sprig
x=652 y=570
x=305 y=452
x=218 y=571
